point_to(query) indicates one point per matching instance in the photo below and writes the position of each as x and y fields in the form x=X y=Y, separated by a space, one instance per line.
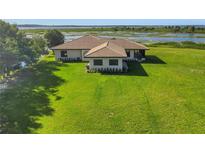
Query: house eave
x=70 y=49
x=105 y=57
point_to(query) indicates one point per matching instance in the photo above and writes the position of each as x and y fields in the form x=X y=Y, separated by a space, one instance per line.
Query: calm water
x=144 y=37
x=139 y=37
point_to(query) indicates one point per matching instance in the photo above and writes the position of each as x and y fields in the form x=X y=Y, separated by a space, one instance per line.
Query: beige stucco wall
x=74 y=53
x=80 y=54
x=57 y=54
x=105 y=63
x=70 y=53
x=83 y=53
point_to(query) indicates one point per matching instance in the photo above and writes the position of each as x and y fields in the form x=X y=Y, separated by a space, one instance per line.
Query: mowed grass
x=165 y=94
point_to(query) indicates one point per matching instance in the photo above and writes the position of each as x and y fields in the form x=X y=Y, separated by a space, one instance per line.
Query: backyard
x=165 y=94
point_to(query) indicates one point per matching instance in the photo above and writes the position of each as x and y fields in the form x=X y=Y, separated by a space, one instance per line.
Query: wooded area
x=17 y=49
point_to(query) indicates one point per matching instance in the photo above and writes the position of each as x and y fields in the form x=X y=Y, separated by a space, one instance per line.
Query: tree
x=15 y=47
x=54 y=37
x=177 y=29
x=38 y=45
x=8 y=47
x=191 y=29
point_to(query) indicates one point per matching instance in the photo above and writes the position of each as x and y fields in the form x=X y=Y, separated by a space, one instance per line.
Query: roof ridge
x=115 y=50
x=98 y=49
x=111 y=48
x=112 y=43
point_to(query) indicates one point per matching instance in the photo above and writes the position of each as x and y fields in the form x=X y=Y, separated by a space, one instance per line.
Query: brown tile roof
x=85 y=42
x=127 y=44
x=89 y=42
x=106 y=49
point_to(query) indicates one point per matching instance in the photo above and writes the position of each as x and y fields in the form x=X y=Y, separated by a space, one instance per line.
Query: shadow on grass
x=151 y=59
x=27 y=99
x=134 y=69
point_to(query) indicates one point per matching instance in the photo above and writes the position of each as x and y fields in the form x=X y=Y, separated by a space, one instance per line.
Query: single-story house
x=101 y=53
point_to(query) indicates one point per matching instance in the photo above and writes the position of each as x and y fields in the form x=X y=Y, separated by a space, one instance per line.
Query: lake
x=143 y=37
x=151 y=37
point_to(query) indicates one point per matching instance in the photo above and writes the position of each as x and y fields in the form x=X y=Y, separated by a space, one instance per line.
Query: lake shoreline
x=143 y=37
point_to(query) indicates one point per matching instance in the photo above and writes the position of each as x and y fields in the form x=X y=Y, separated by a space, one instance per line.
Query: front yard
x=165 y=94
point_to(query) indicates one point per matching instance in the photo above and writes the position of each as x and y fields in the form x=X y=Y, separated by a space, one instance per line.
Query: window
x=128 y=53
x=98 y=62
x=113 y=62
x=64 y=53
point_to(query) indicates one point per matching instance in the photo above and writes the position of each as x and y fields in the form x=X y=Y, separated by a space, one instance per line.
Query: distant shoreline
x=33 y=26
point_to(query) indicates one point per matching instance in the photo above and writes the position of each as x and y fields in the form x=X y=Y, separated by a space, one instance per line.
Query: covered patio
x=135 y=55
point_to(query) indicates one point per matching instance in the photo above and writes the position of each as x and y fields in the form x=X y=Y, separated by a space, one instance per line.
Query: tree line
x=175 y=29
x=16 y=47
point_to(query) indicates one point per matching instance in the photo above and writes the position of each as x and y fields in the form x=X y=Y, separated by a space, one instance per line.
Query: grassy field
x=165 y=94
x=185 y=44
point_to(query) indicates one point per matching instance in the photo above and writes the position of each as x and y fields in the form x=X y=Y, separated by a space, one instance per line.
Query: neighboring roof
x=106 y=49
x=89 y=42
x=85 y=42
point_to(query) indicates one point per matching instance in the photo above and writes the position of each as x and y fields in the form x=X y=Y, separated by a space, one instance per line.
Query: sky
x=108 y=21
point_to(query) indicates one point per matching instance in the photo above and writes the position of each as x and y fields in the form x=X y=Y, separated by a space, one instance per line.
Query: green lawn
x=166 y=94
